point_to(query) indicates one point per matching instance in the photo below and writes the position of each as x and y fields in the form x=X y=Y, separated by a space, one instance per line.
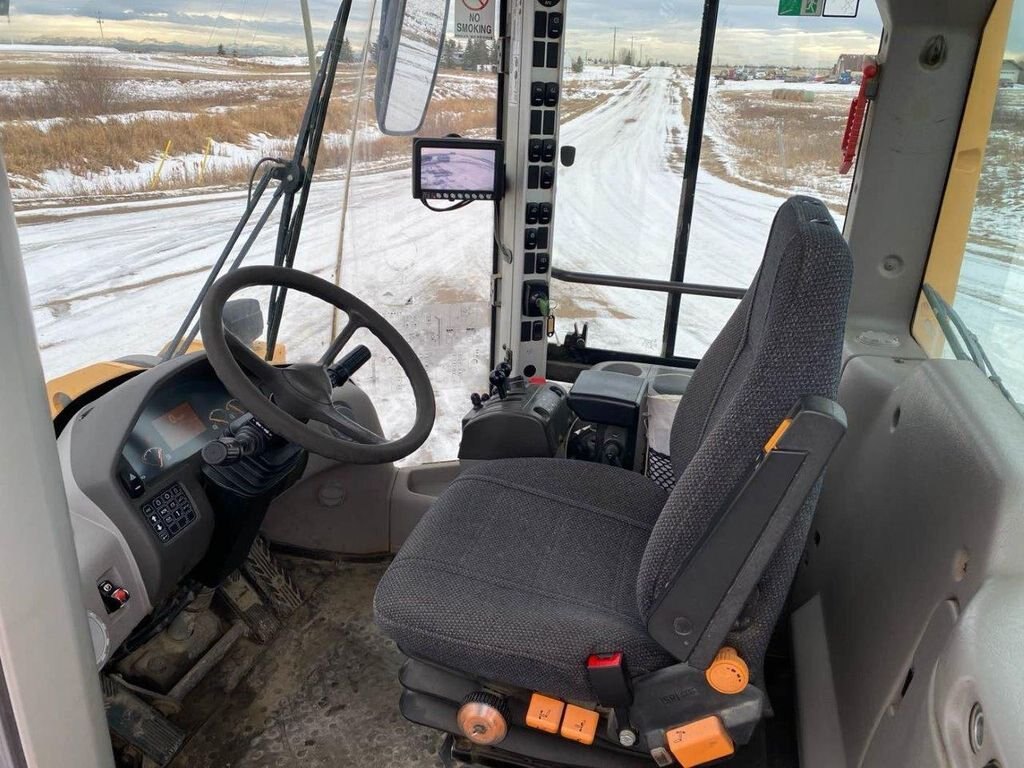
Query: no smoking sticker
x=474 y=19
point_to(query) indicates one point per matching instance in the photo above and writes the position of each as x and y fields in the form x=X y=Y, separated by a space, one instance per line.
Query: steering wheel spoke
x=330 y=416
x=355 y=322
x=250 y=361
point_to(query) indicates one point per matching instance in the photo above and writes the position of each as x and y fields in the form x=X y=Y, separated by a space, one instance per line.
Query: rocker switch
x=538 y=93
x=550 y=94
x=555 y=26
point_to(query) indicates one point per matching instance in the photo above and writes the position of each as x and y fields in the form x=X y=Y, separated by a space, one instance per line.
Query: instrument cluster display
x=177 y=422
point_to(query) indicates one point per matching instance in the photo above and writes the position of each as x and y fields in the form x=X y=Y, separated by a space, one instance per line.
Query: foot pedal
x=247 y=604
x=140 y=725
x=267 y=575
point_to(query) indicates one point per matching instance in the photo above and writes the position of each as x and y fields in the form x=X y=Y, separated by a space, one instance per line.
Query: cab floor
x=323 y=693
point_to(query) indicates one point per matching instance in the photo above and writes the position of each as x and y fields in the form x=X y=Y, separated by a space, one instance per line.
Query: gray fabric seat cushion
x=522 y=569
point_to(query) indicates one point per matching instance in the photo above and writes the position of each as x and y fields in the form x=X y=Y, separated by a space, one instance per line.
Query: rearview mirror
x=408 y=54
x=244 y=318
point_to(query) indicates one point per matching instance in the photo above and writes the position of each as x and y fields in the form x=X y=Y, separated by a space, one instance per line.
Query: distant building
x=851 y=62
x=1011 y=73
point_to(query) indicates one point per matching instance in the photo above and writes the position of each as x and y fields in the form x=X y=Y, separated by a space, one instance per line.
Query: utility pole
x=307 y=24
x=615 y=42
x=99 y=20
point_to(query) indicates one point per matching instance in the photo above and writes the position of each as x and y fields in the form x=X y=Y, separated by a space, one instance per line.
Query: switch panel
x=530 y=129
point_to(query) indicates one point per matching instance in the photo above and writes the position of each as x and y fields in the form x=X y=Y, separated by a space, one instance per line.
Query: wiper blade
x=953 y=325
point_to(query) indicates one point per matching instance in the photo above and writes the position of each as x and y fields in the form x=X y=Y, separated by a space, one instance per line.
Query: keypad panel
x=169 y=512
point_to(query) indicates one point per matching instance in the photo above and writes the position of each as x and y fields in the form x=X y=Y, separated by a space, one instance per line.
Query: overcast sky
x=749 y=30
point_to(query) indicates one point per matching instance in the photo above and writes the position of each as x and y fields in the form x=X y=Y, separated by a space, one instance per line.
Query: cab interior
x=798 y=545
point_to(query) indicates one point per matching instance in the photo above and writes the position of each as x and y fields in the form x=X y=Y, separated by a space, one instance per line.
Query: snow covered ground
x=115 y=279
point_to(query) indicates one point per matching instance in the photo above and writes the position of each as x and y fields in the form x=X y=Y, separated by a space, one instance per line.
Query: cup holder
x=627 y=368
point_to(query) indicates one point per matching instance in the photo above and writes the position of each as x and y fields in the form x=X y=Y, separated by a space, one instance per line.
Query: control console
x=516 y=418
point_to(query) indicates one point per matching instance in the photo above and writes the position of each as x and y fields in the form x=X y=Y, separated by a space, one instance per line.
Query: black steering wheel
x=286 y=399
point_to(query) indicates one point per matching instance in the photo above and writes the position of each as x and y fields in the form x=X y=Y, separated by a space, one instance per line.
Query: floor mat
x=323 y=694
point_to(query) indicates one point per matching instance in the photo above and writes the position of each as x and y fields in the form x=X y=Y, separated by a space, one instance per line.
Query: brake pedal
x=140 y=725
x=247 y=604
x=267 y=575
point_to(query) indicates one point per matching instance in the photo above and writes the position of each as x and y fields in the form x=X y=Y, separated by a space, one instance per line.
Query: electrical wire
x=455 y=207
x=255 y=170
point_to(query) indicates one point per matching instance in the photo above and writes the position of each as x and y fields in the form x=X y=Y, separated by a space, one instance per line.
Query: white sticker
x=474 y=19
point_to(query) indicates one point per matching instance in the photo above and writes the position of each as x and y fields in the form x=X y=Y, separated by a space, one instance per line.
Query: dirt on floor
x=323 y=694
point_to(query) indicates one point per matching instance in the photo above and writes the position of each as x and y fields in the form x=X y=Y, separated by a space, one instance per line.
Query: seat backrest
x=783 y=341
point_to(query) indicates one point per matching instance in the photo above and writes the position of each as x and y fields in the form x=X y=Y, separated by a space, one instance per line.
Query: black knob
x=224 y=450
x=345 y=368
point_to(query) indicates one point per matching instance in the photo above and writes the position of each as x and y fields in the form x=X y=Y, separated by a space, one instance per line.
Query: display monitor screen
x=178 y=426
x=457 y=169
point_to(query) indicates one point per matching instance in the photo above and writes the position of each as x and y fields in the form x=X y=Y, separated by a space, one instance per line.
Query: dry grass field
x=99 y=125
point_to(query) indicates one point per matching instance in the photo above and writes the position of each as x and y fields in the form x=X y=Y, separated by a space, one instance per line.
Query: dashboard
x=175 y=424
x=149 y=516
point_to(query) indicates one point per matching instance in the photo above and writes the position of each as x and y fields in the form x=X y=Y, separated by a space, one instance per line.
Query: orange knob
x=728 y=673
x=483 y=718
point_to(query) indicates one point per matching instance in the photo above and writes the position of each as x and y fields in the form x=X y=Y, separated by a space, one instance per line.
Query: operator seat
x=525 y=567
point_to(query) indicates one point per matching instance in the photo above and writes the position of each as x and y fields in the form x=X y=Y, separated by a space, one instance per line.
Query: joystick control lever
x=499 y=380
x=245 y=437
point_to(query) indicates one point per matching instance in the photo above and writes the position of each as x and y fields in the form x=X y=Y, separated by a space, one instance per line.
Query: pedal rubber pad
x=545 y=713
x=700 y=742
x=579 y=724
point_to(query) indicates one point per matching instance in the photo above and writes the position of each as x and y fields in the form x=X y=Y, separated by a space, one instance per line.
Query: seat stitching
x=572 y=668
x=476 y=646
x=516 y=586
x=554 y=497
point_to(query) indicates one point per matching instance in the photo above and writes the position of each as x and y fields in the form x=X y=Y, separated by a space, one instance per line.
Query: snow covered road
x=617 y=214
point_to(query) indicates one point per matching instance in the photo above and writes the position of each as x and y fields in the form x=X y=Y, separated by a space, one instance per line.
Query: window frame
x=676 y=287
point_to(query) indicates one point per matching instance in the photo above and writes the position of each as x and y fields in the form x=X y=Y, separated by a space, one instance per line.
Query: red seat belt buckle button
x=606 y=673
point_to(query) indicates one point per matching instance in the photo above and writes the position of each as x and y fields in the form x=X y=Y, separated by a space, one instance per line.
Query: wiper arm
x=294 y=179
x=953 y=325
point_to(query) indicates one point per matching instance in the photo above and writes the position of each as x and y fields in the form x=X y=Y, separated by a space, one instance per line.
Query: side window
x=777 y=107
x=779 y=94
x=974 y=301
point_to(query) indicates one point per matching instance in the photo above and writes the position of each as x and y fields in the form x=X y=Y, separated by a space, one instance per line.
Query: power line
x=258 y=25
x=238 y=28
x=216 y=23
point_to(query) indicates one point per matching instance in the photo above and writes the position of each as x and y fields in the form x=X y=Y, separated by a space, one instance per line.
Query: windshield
x=131 y=141
x=131 y=144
